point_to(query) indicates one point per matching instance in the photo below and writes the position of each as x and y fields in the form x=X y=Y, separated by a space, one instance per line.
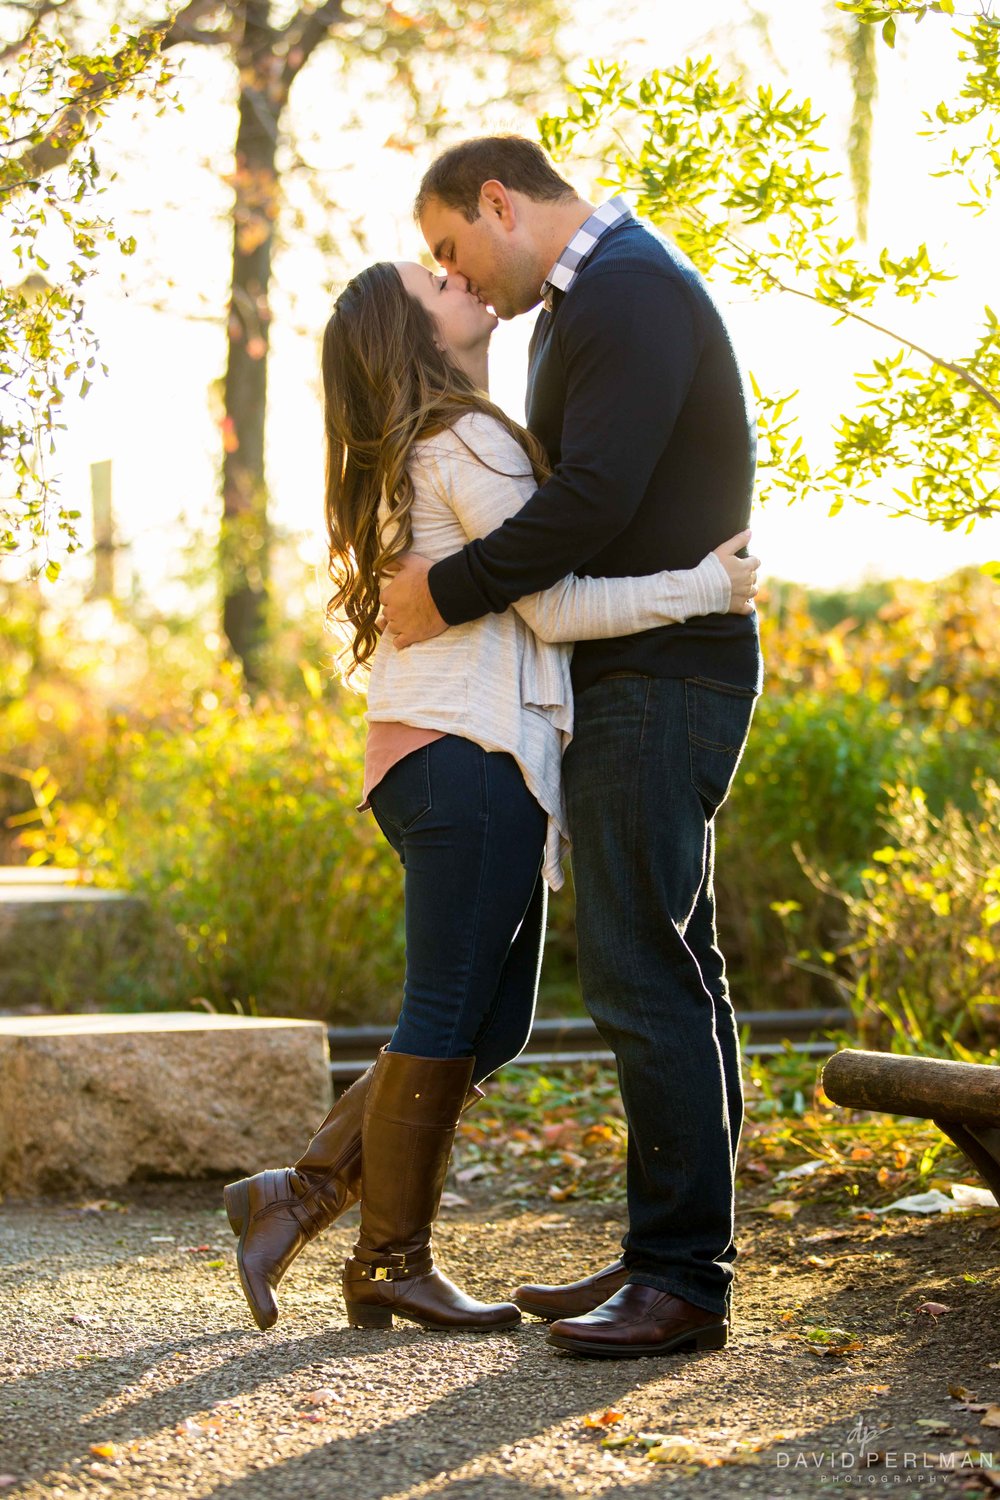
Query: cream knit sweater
x=503 y=681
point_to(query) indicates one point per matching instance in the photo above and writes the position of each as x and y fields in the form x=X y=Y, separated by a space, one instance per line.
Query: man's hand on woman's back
x=408 y=609
x=742 y=573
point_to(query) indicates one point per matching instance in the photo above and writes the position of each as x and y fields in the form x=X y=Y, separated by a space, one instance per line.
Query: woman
x=462 y=773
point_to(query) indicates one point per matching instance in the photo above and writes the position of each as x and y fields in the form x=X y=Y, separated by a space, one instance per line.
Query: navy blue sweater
x=636 y=394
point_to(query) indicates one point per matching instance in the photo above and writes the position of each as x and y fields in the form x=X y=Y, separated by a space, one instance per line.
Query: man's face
x=492 y=253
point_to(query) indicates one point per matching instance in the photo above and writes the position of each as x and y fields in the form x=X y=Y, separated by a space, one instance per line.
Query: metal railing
x=566 y=1040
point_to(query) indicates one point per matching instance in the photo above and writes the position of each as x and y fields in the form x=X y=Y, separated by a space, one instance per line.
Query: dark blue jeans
x=470 y=837
x=650 y=762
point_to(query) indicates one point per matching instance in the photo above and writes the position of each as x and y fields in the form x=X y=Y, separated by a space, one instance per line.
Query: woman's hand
x=742 y=574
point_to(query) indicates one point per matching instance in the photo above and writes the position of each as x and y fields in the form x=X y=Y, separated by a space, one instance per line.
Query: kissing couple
x=557 y=628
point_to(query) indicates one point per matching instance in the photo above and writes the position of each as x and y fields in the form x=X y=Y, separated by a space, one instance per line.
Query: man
x=636 y=393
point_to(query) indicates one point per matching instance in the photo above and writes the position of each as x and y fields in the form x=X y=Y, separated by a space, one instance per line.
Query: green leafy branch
x=54 y=102
x=738 y=179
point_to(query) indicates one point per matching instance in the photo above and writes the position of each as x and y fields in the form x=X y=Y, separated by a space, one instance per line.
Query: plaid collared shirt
x=567 y=267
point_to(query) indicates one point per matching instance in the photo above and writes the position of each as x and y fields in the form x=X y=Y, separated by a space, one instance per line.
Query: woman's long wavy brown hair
x=386 y=383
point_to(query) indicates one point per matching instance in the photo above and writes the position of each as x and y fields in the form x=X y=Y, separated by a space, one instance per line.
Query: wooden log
x=929 y=1087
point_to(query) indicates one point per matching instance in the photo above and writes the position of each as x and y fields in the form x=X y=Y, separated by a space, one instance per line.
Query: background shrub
x=140 y=756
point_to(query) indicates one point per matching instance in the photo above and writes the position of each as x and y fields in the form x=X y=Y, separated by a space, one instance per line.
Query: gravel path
x=130 y=1365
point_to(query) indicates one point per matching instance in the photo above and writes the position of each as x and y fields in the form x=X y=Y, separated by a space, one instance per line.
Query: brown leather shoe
x=410 y=1118
x=639 y=1321
x=574 y=1299
x=579 y=1297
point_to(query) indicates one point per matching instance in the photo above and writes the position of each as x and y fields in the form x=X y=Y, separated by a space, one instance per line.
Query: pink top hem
x=386 y=745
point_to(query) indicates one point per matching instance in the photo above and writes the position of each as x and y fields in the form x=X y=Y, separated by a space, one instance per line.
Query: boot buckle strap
x=397 y=1267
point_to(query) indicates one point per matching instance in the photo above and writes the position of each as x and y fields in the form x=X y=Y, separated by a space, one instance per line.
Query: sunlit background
x=161 y=316
x=858 y=852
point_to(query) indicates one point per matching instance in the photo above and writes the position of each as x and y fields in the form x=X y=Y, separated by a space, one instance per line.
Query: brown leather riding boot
x=410 y=1118
x=276 y=1213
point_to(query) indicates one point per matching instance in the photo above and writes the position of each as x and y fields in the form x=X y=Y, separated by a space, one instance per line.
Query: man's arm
x=631 y=345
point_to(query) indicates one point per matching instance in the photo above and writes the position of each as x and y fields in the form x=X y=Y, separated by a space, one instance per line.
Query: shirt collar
x=580 y=247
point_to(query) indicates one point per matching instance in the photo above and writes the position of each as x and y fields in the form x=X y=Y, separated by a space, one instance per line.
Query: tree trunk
x=864 y=83
x=244 y=542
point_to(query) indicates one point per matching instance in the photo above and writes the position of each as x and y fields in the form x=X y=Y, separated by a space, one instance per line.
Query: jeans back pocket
x=403 y=796
x=718 y=719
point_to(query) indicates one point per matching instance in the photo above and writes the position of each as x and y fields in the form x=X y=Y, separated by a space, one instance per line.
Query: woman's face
x=462 y=320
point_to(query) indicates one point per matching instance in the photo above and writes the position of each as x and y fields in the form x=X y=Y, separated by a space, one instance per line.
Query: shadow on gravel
x=492 y=1412
x=255 y=1361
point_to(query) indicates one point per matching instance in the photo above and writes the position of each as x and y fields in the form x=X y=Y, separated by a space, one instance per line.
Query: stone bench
x=91 y=1102
x=56 y=930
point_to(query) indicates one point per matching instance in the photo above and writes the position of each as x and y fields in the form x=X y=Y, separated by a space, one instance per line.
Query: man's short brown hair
x=521 y=165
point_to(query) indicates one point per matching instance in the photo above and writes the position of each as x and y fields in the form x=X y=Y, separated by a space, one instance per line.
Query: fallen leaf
x=196 y=1249
x=824 y=1236
x=618 y=1440
x=992 y=1417
x=6 y=1480
x=804 y=1169
x=960 y=1393
x=606 y=1419
x=934 y=1308
x=679 y=1450
x=478 y=1169
x=321 y=1396
x=560 y=1194
x=188 y=1427
x=819 y=1261
x=215 y=1265
x=832 y=1341
x=862 y=1153
x=103 y=1450
x=310 y=1416
x=82 y=1318
x=932 y=1424
x=783 y=1208
x=453 y=1200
